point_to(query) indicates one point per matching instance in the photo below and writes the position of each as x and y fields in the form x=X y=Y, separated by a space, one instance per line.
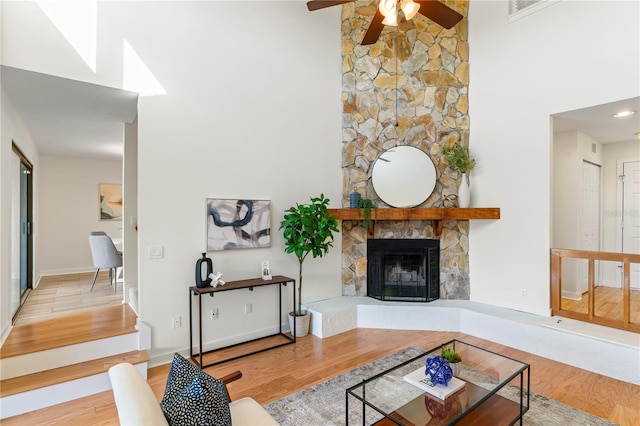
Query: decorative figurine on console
x=216 y=279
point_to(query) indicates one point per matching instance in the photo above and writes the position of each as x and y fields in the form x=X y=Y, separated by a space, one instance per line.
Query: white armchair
x=137 y=404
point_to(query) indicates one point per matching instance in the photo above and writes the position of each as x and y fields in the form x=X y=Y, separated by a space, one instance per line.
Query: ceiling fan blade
x=375 y=29
x=439 y=13
x=321 y=4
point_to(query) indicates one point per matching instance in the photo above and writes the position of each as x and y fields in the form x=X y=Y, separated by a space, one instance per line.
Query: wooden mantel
x=437 y=215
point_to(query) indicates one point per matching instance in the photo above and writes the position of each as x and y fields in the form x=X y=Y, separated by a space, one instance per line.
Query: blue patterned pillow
x=192 y=397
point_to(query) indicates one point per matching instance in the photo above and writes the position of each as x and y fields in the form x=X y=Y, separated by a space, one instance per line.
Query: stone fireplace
x=403 y=270
x=409 y=88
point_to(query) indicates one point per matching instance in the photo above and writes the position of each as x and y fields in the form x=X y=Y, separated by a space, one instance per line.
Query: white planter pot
x=464 y=192
x=302 y=324
x=455 y=368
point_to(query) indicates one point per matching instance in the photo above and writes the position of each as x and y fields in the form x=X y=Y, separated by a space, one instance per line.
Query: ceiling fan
x=387 y=14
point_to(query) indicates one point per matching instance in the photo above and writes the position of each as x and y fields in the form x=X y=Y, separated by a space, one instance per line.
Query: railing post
x=556 y=278
x=592 y=288
x=626 y=292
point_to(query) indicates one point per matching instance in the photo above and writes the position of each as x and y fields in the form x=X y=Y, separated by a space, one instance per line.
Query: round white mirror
x=403 y=176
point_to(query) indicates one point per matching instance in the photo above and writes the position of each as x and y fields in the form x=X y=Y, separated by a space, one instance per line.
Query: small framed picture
x=266 y=271
x=110 y=201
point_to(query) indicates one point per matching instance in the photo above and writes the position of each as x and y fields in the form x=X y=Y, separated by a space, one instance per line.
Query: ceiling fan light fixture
x=388 y=9
x=391 y=20
x=388 y=13
x=409 y=8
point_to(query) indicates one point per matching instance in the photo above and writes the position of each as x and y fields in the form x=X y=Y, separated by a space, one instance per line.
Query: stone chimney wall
x=409 y=88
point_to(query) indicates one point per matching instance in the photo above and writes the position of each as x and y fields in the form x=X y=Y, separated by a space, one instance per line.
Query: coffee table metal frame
x=522 y=371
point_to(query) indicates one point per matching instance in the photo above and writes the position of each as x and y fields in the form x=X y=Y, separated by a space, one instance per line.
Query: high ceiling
x=72 y=118
x=68 y=117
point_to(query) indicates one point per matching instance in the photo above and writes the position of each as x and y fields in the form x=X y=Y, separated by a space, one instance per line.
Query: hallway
x=59 y=295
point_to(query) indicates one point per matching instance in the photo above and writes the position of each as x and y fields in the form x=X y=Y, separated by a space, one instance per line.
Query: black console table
x=249 y=284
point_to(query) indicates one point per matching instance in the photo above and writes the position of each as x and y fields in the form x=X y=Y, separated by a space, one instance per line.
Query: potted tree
x=459 y=160
x=307 y=229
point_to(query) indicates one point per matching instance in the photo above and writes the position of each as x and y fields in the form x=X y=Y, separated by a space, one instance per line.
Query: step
x=68 y=330
x=67 y=340
x=61 y=359
x=67 y=373
x=30 y=392
x=34 y=362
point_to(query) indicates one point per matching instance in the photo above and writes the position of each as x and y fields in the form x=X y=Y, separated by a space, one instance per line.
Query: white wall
x=570 y=151
x=255 y=115
x=253 y=110
x=12 y=129
x=570 y=55
x=68 y=211
x=612 y=189
x=566 y=206
x=130 y=209
x=566 y=190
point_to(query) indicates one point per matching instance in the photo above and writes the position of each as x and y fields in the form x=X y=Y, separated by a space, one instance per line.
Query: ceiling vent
x=521 y=8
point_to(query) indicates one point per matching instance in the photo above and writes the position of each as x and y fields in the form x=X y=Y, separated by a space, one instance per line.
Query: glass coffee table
x=495 y=392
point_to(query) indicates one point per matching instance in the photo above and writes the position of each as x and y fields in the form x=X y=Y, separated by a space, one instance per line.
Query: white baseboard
x=167 y=356
x=67 y=271
x=571 y=295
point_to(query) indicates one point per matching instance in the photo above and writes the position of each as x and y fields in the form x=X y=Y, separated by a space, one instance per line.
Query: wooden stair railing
x=557 y=255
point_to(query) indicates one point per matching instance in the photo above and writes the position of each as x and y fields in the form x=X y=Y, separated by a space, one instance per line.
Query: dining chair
x=105 y=256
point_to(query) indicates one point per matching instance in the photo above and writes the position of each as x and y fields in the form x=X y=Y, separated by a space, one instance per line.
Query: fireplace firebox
x=403 y=270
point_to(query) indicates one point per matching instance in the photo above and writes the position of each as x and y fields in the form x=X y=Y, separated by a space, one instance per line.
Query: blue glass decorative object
x=439 y=370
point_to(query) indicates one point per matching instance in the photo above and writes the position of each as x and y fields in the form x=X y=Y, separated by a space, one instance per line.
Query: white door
x=590 y=219
x=631 y=215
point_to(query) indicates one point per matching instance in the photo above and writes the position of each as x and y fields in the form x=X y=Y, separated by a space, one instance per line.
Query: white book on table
x=419 y=379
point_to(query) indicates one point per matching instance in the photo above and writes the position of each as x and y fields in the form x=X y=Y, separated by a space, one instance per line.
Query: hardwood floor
x=608 y=304
x=273 y=374
x=81 y=327
x=59 y=295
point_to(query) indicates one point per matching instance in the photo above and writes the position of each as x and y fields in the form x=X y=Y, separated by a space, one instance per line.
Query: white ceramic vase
x=455 y=368
x=464 y=192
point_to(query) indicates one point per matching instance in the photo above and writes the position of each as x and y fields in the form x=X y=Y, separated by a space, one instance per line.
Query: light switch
x=156 y=252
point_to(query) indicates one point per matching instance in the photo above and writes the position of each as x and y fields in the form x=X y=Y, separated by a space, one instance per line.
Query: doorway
x=590 y=218
x=21 y=229
x=630 y=226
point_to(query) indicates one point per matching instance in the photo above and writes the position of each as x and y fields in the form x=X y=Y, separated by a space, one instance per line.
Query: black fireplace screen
x=403 y=270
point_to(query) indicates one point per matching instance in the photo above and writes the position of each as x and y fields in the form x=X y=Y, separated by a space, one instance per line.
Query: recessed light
x=625 y=113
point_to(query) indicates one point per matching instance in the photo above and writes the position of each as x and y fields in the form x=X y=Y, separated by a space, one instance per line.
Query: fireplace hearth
x=403 y=269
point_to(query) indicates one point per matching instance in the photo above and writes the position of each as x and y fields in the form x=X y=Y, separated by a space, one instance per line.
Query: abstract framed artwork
x=238 y=224
x=110 y=201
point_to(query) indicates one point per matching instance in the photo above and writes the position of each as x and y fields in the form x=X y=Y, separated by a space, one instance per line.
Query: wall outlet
x=176 y=322
x=214 y=313
x=523 y=292
x=248 y=308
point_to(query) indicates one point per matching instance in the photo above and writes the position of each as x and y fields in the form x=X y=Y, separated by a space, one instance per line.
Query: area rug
x=324 y=403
